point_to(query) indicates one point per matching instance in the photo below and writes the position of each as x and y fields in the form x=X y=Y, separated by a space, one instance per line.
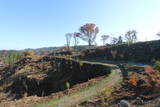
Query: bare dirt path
x=116 y=62
x=85 y=94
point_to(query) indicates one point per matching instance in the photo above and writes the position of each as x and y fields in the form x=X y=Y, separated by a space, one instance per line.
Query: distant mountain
x=47 y=50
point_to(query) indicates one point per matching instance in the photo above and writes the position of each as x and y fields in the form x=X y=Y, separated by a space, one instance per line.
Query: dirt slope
x=78 y=97
x=28 y=79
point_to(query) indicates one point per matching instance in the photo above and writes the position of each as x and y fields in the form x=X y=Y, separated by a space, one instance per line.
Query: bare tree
x=75 y=37
x=120 y=40
x=104 y=38
x=131 y=36
x=114 y=40
x=68 y=39
x=89 y=33
x=158 y=34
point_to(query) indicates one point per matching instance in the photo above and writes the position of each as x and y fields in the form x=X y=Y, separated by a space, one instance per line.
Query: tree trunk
x=89 y=43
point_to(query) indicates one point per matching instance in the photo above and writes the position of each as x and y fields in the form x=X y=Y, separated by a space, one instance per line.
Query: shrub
x=157 y=65
x=133 y=81
x=114 y=53
x=29 y=53
x=67 y=85
x=148 y=69
x=105 y=97
x=153 y=79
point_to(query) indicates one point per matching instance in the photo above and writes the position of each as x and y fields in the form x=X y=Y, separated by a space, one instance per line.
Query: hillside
x=143 y=52
x=46 y=75
x=87 y=80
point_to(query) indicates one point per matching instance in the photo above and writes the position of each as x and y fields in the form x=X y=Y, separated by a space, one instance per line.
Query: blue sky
x=44 y=23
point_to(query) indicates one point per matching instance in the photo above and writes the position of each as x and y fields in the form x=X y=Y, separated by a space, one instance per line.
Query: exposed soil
x=140 y=95
x=32 y=81
x=27 y=101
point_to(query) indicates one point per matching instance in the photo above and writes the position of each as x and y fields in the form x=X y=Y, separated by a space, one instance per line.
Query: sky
x=44 y=23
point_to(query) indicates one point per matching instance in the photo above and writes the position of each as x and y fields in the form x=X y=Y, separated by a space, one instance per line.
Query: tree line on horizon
x=89 y=31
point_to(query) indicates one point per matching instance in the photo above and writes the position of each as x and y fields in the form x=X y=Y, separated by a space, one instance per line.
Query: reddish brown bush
x=114 y=53
x=133 y=81
x=153 y=78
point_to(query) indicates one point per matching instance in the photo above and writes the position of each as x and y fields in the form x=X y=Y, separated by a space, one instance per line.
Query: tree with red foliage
x=88 y=33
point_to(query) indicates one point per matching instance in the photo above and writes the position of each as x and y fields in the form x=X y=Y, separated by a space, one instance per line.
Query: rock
x=124 y=103
x=25 y=94
x=139 y=101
